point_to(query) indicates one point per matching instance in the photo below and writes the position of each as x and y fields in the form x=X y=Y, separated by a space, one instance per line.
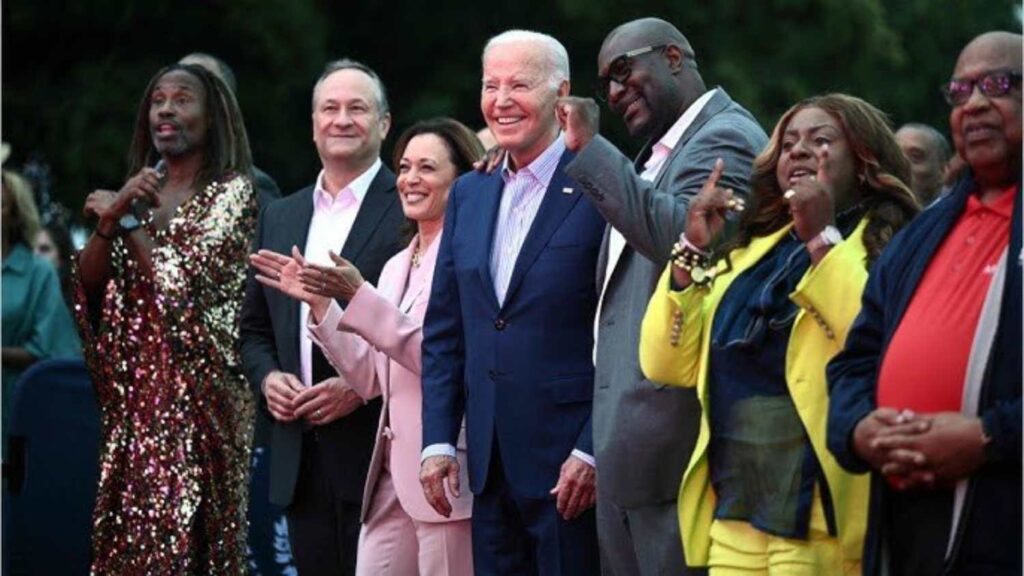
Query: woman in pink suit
x=375 y=346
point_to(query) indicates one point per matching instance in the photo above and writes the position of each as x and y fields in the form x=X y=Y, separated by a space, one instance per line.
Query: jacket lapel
x=490 y=199
x=718 y=102
x=378 y=198
x=295 y=225
x=555 y=206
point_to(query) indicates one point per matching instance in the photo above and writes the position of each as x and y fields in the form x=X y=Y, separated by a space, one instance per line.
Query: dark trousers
x=513 y=535
x=323 y=528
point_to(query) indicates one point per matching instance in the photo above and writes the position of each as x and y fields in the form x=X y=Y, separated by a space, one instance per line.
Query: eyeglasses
x=620 y=69
x=958 y=92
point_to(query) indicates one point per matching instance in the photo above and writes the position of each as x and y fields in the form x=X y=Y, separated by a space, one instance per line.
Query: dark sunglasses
x=620 y=69
x=958 y=92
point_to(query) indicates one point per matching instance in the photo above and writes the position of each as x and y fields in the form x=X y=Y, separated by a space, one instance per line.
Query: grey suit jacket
x=644 y=432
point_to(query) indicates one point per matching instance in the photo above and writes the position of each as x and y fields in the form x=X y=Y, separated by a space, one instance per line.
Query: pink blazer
x=375 y=346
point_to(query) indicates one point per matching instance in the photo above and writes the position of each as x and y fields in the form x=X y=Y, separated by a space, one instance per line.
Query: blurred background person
x=53 y=243
x=37 y=324
x=266 y=189
x=375 y=345
x=928 y=152
x=926 y=395
x=159 y=293
x=753 y=327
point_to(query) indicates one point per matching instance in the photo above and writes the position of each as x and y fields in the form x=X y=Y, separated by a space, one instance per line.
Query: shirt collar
x=18 y=260
x=358 y=187
x=671 y=138
x=1002 y=206
x=542 y=168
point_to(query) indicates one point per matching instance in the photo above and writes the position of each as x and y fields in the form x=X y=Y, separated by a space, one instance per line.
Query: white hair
x=554 y=53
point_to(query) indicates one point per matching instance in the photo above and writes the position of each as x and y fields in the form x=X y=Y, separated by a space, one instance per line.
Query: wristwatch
x=128 y=222
x=830 y=236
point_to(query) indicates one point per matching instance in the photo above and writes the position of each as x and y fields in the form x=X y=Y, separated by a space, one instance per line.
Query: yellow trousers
x=740 y=549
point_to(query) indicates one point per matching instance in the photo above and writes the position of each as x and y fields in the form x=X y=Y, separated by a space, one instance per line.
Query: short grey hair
x=941 y=145
x=349 y=64
x=556 y=56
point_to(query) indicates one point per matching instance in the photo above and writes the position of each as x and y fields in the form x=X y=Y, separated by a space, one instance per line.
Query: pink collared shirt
x=333 y=216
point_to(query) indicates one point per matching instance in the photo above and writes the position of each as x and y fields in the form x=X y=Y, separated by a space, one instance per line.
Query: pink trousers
x=393 y=544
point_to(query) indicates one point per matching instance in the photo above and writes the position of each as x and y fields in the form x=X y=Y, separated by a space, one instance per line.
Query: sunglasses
x=620 y=69
x=958 y=92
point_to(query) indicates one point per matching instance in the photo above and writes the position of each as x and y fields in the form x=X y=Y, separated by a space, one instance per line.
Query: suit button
x=491 y=374
x=500 y=324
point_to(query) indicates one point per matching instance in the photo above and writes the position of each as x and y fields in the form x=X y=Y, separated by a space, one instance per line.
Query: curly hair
x=227 y=145
x=879 y=164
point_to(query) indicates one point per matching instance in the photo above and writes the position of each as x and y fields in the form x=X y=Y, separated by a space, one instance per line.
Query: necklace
x=416 y=256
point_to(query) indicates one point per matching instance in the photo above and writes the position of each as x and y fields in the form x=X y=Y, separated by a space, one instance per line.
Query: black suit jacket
x=270 y=334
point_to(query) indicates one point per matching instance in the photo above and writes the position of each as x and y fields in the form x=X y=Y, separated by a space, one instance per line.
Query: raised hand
x=811 y=200
x=580 y=119
x=490 y=160
x=706 y=216
x=340 y=281
x=280 y=272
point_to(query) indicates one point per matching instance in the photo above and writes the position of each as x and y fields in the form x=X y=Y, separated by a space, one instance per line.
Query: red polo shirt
x=926 y=363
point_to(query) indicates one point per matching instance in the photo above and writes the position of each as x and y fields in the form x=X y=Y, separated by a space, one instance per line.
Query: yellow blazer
x=674 y=345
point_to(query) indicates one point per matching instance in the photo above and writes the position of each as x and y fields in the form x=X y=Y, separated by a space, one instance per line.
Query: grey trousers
x=642 y=541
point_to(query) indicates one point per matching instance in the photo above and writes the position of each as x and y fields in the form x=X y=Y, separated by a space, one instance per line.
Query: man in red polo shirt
x=927 y=392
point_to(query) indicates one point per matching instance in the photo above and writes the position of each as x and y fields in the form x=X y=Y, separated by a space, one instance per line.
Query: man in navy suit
x=508 y=334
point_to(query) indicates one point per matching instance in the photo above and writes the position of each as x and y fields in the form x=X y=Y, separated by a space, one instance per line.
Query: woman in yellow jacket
x=753 y=326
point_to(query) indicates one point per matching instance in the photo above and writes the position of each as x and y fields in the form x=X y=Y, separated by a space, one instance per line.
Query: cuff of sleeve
x=582 y=456
x=331 y=318
x=437 y=450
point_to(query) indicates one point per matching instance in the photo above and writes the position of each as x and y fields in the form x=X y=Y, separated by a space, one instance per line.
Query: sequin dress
x=177 y=412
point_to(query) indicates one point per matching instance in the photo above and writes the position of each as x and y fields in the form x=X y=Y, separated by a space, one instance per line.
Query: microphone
x=141 y=207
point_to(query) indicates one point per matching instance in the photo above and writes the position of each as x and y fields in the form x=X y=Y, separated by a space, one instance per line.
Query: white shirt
x=660 y=152
x=332 y=221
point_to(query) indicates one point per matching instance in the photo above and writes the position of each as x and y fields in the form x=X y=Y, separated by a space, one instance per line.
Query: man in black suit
x=322 y=435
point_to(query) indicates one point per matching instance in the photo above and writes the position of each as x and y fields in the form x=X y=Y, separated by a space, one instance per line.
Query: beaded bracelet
x=695 y=261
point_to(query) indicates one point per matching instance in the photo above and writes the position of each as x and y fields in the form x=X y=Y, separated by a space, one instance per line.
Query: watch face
x=129 y=222
x=832 y=235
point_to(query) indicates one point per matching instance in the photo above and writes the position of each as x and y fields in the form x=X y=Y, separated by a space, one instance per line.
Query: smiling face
x=518 y=99
x=347 y=124
x=425 y=174
x=987 y=129
x=649 y=100
x=177 y=114
x=809 y=131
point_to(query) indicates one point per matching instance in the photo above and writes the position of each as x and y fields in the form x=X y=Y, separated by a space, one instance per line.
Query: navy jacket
x=522 y=373
x=988 y=539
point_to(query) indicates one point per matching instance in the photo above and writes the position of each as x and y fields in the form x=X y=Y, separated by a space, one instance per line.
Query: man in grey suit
x=643 y=432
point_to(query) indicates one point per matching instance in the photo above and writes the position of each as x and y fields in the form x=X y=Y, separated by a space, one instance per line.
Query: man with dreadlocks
x=158 y=292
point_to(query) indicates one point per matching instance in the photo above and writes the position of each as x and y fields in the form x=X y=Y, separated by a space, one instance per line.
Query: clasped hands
x=575 y=491
x=289 y=400
x=920 y=450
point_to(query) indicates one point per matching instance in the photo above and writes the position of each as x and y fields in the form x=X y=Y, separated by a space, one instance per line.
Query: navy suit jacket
x=521 y=373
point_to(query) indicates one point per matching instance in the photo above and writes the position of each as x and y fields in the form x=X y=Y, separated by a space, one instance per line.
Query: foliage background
x=73 y=71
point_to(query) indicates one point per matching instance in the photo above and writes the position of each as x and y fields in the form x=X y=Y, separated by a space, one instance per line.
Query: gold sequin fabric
x=177 y=414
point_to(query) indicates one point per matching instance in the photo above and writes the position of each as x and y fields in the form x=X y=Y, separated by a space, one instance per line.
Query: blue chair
x=52 y=470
